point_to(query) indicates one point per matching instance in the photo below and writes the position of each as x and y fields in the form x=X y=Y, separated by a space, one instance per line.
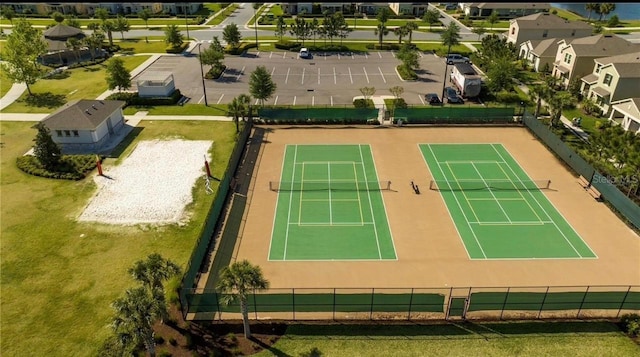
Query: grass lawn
x=82 y=83
x=5 y=84
x=60 y=276
x=464 y=339
x=187 y=109
x=227 y=11
x=568 y=14
x=489 y=27
x=588 y=123
x=276 y=10
x=141 y=46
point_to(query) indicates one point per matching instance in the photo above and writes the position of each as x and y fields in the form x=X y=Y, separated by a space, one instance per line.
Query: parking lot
x=330 y=79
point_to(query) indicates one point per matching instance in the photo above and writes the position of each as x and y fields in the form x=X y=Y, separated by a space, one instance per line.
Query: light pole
x=186 y=21
x=446 y=68
x=204 y=88
x=255 y=22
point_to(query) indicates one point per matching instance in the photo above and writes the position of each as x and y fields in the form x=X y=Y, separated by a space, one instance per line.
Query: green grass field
x=329 y=206
x=498 y=339
x=82 y=83
x=497 y=208
x=5 y=84
x=59 y=276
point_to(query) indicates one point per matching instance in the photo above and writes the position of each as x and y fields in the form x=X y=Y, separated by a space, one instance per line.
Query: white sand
x=152 y=185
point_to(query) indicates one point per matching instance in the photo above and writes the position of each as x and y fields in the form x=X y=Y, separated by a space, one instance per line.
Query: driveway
x=330 y=79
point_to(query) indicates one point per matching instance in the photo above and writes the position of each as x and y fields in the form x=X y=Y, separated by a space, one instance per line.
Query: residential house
x=540 y=53
x=575 y=60
x=88 y=8
x=416 y=9
x=626 y=112
x=85 y=125
x=613 y=79
x=294 y=8
x=155 y=84
x=505 y=10
x=543 y=26
x=370 y=8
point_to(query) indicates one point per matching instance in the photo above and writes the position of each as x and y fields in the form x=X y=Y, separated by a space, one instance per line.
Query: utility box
x=156 y=84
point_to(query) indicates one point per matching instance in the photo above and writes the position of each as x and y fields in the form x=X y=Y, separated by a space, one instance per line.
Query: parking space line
x=422 y=100
x=201 y=99
x=393 y=54
x=258 y=54
x=352 y=56
x=284 y=54
x=365 y=56
x=286 y=79
x=239 y=74
x=338 y=56
x=318 y=75
x=275 y=102
x=382 y=75
x=332 y=101
x=273 y=70
x=219 y=99
x=350 y=75
x=334 y=76
x=420 y=53
x=270 y=54
x=379 y=55
x=365 y=74
x=313 y=100
x=294 y=100
x=302 y=76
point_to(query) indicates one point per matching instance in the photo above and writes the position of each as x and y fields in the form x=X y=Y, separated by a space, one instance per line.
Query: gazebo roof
x=61 y=31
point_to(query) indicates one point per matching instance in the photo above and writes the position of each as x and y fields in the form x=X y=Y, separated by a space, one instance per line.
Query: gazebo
x=58 y=52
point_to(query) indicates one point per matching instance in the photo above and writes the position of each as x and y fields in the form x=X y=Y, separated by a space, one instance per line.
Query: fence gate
x=457 y=307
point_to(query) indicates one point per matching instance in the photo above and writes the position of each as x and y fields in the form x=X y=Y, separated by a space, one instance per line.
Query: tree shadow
x=47 y=99
x=275 y=351
x=92 y=69
x=59 y=75
x=124 y=144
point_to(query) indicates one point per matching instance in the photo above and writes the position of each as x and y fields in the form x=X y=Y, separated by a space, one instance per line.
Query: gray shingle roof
x=633 y=57
x=61 y=31
x=513 y=5
x=543 y=20
x=546 y=47
x=82 y=114
x=602 y=46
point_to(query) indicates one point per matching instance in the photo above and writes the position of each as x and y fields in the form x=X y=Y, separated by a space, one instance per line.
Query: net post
x=432 y=185
x=271 y=186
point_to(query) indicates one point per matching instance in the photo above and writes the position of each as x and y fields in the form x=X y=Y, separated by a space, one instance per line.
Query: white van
x=304 y=53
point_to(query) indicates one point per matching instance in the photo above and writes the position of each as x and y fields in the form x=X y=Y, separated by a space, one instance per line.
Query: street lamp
x=255 y=22
x=446 y=68
x=204 y=88
x=186 y=21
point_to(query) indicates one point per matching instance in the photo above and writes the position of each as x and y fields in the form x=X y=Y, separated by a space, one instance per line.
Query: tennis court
x=498 y=210
x=330 y=206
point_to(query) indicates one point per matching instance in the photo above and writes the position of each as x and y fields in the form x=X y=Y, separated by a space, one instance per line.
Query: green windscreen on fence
x=614 y=300
x=455 y=115
x=314 y=115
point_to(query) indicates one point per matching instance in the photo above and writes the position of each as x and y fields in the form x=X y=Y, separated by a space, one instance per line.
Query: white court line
x=334 y=200
x=471 y=162
x=355 y=175
x=455 y=197
x=294 y=100
x=334 y=76
x=239 y=74
x=463 y=192
x=379 y=55
x=329 y=181
x=219 y=99
x=512 y=223
x=333 y=162
x=540 y=205
x=500 y=199
x=273 y=70
x=373 y=218
x=384 y=207
x=382 y=75
x=323 y=224
x=293 y=176
x=286 y=79
x=528 y=203
x=365 y=74
x=275 y=102
x=332 y=101
x=313 y=100
x=350 y=76
x=302 y=82
x=422 y=100
x=318 y=75
x=491 y=191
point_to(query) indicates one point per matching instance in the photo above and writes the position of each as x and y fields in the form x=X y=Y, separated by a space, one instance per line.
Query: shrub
x=71 y=167
x=406 y=73
x=215 y=72
x=399 y=103
x=134 y=99
x=631 y=324
x=240 y=49
x=362 y=103
x=178 y=49
x=507 y=97
x=383 y=47
x=288 y=45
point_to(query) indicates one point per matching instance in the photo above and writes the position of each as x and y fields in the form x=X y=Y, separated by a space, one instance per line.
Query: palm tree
x=135 y=314
x=606 y=8
x=236 y=282
x=235 y=110
x=153 y=271
x=245 y=102
x=400 y=31
x=410 y=27
x=380 y=31
x=74 y=44
x=591 y=6
x=538 y=93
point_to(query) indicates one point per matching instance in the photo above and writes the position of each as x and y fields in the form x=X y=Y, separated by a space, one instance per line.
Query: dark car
x=452 y=96
x=432 y=98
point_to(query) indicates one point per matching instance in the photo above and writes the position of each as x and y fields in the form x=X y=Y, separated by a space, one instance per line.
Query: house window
x=573 y=33
x=567 y=58
x=598 y=68
x=59 y=132
x=75 y=133
x=67 y=133
x=607 y=79
x=545 y=33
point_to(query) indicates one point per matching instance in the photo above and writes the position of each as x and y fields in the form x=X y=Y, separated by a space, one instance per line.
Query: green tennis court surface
x=330 y=206
x=499 y=212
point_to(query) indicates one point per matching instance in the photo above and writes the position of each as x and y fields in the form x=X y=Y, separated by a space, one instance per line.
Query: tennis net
x=507 y=185
x=330 y=185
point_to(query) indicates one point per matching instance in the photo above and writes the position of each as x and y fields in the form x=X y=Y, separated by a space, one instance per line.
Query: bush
x=383 y=47
x=71 y=167
x=631 y=324
x=288 y=45
x=178 y=49
x=507 y=97
x=406 y=73
x=362 y=103
x=134 y=99
x=86 y=63
x=240 y=49
x=215 y=72
x=399 y=103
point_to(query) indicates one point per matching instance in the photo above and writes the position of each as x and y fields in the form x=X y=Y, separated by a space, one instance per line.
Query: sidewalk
x=12 y=95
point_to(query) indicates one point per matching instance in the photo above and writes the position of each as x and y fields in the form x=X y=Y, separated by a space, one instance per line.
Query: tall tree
x=213 y=55
x=281 y=27
x=537 y=93
x=411 y=26
x=341 y=25
x=173 y=36
x=493 y=19
x=117 y=75
x=72 y=21
x=8 y=13
x=501 y=73
x=397 y=92
x=300 y=29
x=145 y=15
x=590 y=7
x=606 y=8
x=236 y=282
x=20 y=54
x=45 y=149
x=154 y=271
x=121 y=24
x=314 y=27
x=57 y=17
x=557 y=102
x=409 y=58
x=381 y=31
x=383 y=15
x=135 y=314
x=329 y=27
x=231 y=35
x=108 y=27
x=431 y=17
x=235 y=110
x=451 y=35
x=400 y=31
x=367 y=92
x=75 y=44
x=261 y=86
x=94 y=42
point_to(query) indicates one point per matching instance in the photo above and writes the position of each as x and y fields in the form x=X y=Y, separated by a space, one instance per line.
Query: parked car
x=432 y=99
x=304 y=53
x=452 y=96
x=454 y=58
x=451 y=6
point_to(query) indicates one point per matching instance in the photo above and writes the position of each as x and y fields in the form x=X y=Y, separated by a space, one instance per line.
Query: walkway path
x=12 y=95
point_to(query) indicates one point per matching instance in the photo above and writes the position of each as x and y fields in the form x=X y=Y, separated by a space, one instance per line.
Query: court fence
x=610 y=193
x=316 y=115
x=455 y=115
x=538 y=302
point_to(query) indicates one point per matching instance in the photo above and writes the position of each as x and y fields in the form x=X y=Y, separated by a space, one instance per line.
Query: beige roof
x=546 y=48
x=633 y=57
x=602 y=45
x=601 y=91
x=590 y=78
x=630 y=105
x=82 y=114
x=544 y=20
x=512 y=5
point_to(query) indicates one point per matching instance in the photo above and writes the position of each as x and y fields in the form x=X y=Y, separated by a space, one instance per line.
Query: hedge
x=240 y=49
x=384 y=46
x=288 y=45
x=132 y=98
x=71 y=167
x=179 y=49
